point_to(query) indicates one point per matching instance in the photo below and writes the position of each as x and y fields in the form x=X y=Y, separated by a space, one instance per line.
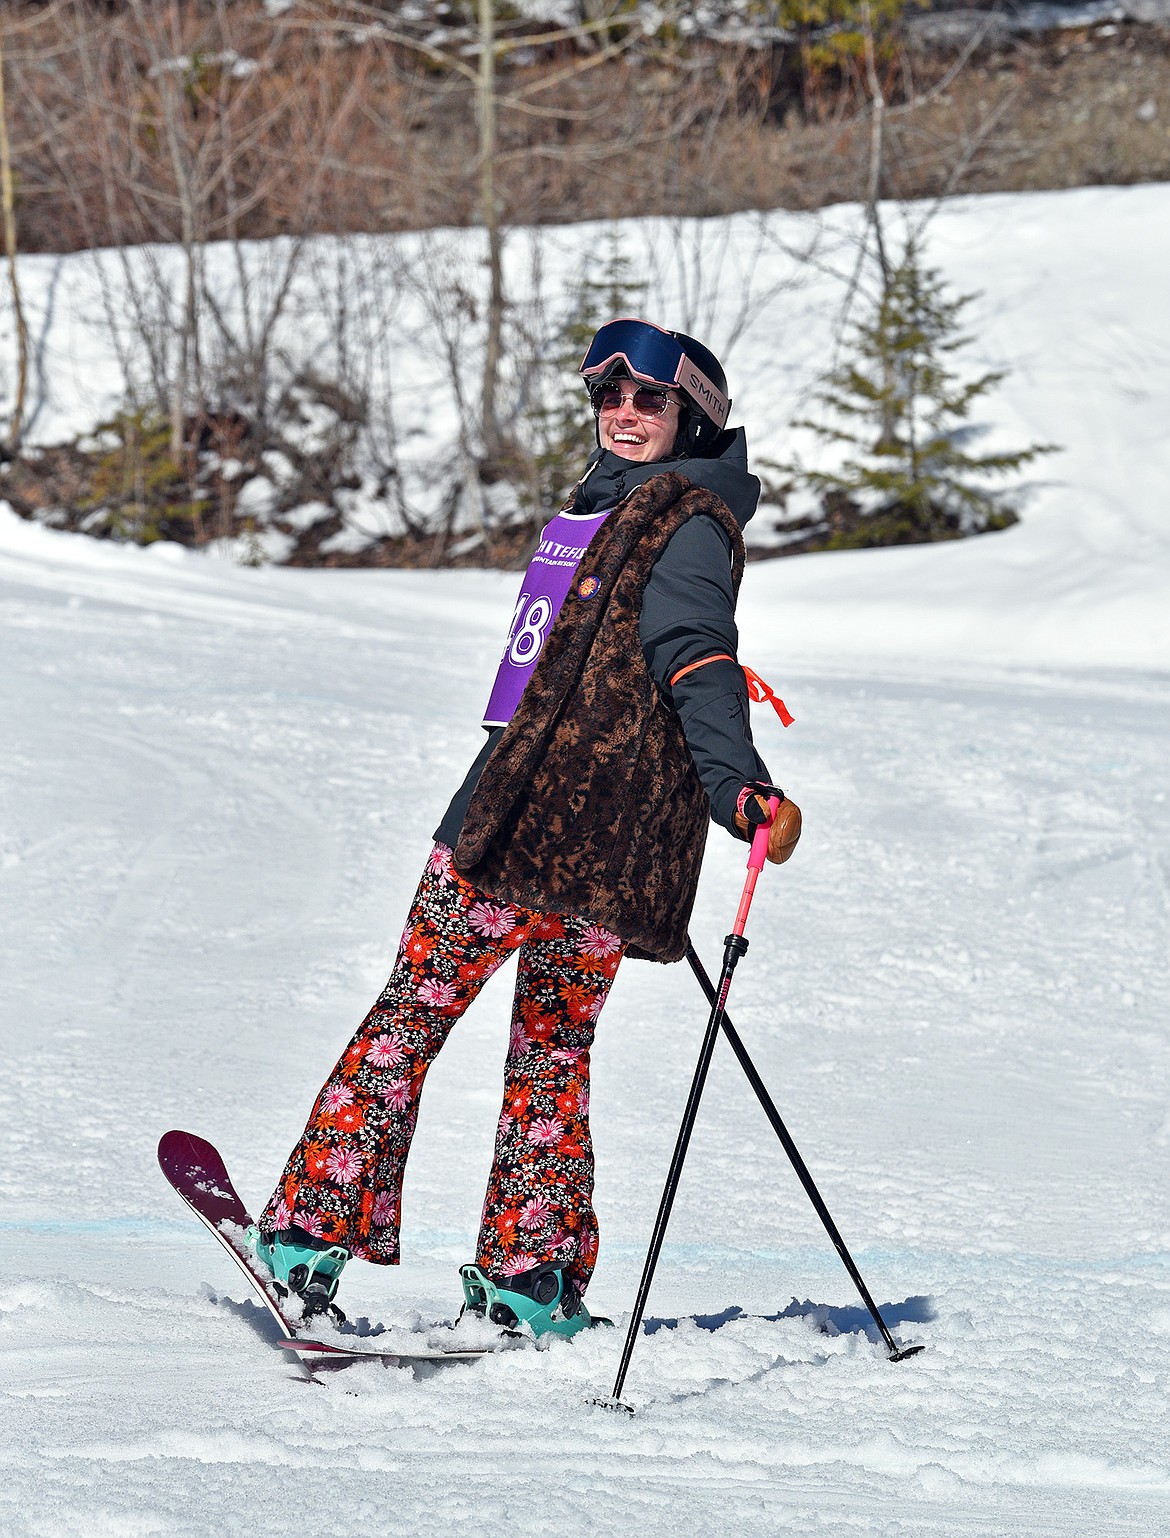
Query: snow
x=217 y=792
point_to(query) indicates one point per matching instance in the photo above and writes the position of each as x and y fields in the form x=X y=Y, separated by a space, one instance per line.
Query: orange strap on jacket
x=758 y=690
x=690 y=668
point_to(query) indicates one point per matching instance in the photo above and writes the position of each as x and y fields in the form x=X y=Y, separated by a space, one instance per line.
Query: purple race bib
x=545 y=587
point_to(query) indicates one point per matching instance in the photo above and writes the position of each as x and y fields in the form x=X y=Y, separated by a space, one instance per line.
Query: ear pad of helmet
x=697 y=434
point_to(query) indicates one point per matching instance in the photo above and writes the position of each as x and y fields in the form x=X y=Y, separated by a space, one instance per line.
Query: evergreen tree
x=902 y=412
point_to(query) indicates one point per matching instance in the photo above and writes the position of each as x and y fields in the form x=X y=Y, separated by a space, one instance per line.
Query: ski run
x=218 y=785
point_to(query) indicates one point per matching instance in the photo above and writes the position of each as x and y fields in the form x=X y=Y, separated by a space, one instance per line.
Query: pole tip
x=613 y=1404
x=904 y=1351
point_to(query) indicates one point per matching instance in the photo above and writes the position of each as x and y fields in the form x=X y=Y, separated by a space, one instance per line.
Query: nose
x=626 y=409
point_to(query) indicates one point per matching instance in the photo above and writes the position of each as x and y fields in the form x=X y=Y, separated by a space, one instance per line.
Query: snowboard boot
x=542 y=1298
x=299 y=1263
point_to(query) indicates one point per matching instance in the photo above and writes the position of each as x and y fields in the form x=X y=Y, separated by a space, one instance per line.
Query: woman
x=617 y=728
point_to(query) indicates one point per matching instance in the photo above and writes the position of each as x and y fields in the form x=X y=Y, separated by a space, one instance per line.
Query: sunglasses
x=647 y=400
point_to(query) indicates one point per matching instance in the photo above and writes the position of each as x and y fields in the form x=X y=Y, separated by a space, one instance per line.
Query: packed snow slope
x=218 y=786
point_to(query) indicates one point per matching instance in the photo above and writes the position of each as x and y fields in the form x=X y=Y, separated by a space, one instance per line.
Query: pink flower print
x=564 y=1055
x=506 y=1122
x=336 y=1097
x=583 y=1101
x=492 y=919
x=439 y=995
x=534 y=1212
x=546 y=1130
x=518 y=1042
x=515 y=1264
x=385 y=1052
x=397 y=1095
x=439 y=865
x=309 y=1221
x=383 y=1213
x=283 y=1214
x=599 y=942
x=344 y=1165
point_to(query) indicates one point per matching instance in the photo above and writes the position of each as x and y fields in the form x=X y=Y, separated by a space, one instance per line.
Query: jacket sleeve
x=688 y=614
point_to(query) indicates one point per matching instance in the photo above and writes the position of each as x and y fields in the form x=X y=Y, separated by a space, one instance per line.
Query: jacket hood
x=609 y=477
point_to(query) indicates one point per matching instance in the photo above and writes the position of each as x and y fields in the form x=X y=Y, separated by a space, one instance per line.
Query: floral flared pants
x=343 y=1180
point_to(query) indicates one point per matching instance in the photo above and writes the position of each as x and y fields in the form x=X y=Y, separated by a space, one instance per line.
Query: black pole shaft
x=734 y=949
x=792 y=1151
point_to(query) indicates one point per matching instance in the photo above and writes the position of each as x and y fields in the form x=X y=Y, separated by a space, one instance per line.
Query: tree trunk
x=8 y=198
x=186 y=194
x=877 y=107
x=873 y=192
x=490 y=213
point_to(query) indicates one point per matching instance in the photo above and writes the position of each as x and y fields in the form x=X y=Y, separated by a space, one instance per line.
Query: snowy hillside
x=217 y=791
x=1074 y=306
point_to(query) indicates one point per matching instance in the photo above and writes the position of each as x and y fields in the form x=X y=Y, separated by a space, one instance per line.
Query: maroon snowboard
x=194 y=1168
x=197 y=1172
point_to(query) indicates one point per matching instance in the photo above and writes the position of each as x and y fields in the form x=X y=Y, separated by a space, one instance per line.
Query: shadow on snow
x=829 y=1320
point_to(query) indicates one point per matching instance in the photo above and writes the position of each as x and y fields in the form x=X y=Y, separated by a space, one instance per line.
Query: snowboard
x=196 y=1171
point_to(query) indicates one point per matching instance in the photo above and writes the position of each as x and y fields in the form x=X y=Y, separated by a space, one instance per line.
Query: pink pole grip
x=760 y=838
x=755 y=864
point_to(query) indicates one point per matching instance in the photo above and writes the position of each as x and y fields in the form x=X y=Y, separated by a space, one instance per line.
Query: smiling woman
x=617 y=729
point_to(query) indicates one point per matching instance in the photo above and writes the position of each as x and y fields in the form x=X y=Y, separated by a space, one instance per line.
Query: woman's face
x=625 y=432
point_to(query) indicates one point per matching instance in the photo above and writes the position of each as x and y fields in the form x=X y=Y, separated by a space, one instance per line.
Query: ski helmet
x=650 y=353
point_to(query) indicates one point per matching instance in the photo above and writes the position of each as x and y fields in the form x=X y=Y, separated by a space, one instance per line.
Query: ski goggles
x=653 y=356
x=647 y=400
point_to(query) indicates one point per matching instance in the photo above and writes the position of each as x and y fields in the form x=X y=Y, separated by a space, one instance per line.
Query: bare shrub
x=345 y=112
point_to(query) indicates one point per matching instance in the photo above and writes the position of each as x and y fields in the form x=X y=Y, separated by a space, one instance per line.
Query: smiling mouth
x=627 y=438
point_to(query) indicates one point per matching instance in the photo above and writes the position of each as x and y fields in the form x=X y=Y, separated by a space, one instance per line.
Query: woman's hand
x=783 y=835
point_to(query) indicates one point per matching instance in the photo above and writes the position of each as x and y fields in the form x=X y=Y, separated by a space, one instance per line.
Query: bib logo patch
x=588 y=587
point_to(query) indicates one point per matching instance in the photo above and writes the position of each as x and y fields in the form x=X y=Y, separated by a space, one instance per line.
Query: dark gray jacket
x=688 y=613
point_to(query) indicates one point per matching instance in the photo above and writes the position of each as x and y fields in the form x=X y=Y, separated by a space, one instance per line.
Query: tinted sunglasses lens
x=650 y=403
x=605 y=397
x=647 y=401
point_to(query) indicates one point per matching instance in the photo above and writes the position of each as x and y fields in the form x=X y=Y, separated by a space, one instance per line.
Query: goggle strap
x=691 y=378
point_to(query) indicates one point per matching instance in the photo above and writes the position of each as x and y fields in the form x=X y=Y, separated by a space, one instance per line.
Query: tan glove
x=783 y=835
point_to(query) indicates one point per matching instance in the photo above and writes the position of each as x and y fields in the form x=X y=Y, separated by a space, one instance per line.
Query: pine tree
x=903 y=413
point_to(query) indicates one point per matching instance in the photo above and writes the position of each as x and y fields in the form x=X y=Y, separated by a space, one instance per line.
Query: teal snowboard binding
x=541 y=1298
x=301 y=1264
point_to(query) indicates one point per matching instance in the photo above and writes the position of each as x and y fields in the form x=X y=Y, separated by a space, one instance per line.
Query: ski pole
x=896 y=1353
x=734 y=946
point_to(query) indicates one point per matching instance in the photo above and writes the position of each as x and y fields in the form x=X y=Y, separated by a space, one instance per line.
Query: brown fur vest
x=590 y=803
